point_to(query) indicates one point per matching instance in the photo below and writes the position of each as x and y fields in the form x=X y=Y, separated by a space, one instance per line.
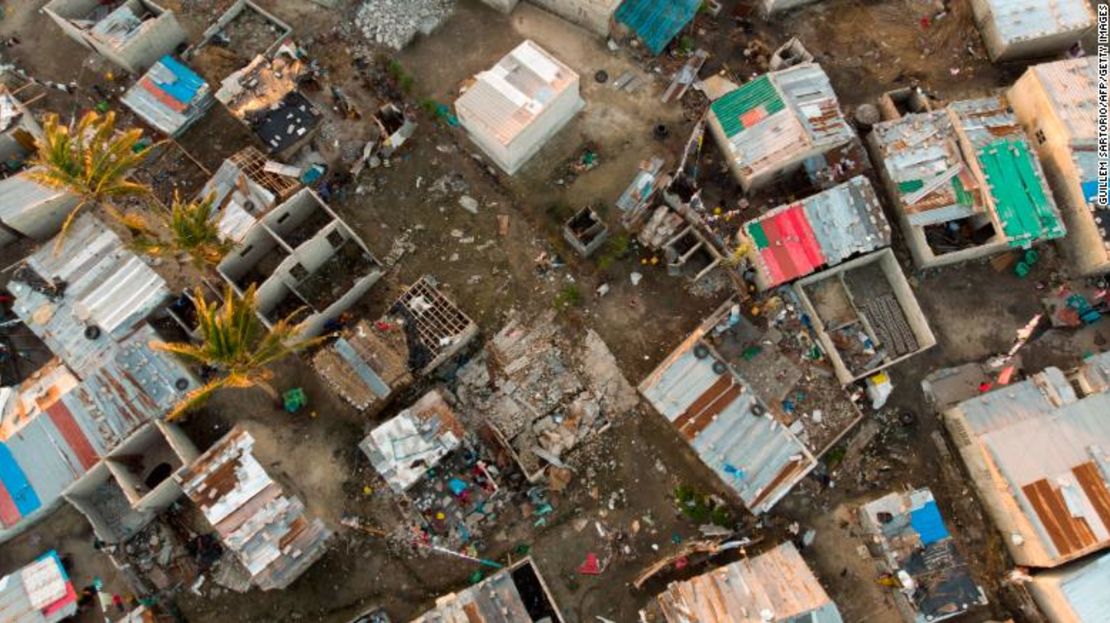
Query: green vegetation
x=702 y=508
x=569 y=296
x=615 y=248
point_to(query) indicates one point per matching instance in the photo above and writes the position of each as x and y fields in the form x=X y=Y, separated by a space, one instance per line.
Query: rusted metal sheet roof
x=509 y=97
x=1063 y=488
x=267 y=530
x=366 y=364
x=774 y=587
x=729 y=427
x=810 y=120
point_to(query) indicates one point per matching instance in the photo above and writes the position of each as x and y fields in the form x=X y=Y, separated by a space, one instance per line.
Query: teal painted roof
x=656 y=22
x=732 y=110
x=1026 y=212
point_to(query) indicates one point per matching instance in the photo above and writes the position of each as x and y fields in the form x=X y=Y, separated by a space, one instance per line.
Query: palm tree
x=236 y=343
x=192 y=230
x=90 y=160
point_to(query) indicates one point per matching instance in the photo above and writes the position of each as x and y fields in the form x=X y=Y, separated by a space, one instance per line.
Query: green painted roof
x=910 y=186
x=1026 y=213
x=735 y=104
x=755 y=230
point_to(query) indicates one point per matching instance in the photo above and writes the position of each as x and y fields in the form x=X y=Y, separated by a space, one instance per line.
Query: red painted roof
x=71 y=432
x=792 y=249
x=9 y=514
x=161 y=95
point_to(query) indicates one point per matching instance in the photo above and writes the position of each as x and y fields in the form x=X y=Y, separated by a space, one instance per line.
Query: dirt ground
x=620 y=503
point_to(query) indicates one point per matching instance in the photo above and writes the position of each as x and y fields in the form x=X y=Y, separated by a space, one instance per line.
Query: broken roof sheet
x=1022 y=20
x=515 y=92
x=40 y=592
x=656 y=22
x=922 y=158
x=366 y=364
x=498 y=599
x=286 y=123
x=775 y=586
x=796 y=239
x=407 y=445
x=267 y=530
x=915 y=540
x=1064 y=488
x=170 y=96
x=779 y=116
x=1070 y=87
x=1022 y=200
x=242 y=191
x=728 y=426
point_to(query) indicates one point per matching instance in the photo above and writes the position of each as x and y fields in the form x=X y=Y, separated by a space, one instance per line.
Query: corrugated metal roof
x=1023 y=20
x=794 y=240
x=1022 y=199
x=1081 y=587
x=776 y=586
x=407 y=445
x=1070 y=87
x=730 y=429
x=766 y=135
x=918 y=150
x=267 y=530
x=914 y=540
x=19 y=198
x=1063 y=488
x=509 y=97
x=170 y=96
x=497 y=599
x=366 y=364
x=656 y=22
x=105 y=285
x=40 y=592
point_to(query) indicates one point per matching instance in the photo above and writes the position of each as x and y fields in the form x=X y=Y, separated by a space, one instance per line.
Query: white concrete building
x=1027 y=29
x=133 y=34
x=511 y=110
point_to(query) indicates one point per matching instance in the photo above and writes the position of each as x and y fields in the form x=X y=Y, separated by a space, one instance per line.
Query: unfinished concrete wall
x=749 y=180
x=160 y=35
x=62 y=11
x=593 y=15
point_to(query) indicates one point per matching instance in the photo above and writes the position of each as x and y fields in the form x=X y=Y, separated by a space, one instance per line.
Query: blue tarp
x=656 y=22
x=187 y=82
x=1090 y=190
x=15 y=481
x=928 y=523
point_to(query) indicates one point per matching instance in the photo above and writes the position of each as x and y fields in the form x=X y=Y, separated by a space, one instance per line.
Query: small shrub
x=569 y=296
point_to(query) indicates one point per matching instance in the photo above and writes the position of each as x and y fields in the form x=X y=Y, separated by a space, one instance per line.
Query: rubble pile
x=394 y=23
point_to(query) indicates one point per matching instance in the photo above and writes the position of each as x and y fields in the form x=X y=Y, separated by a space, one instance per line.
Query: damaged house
x=1056 y=103
x=304 y=259
x=511 y=110
x=825 y=229
x=133 y=34
x=27 y=208
x=40 y=592
x=656 y=23
x=539 y=392
x=1052 y=506
x=908 y=532
x=370 y=362
x=1028 y=29
x=264 y=96
x=447 y=484
x=85 y=426
x=266 y=530
x=778 y=124
x=865 y=315
x=964 y=182
x=735 y=398
x=773 y=587
x=243 y=189
x=169 y=97
x=517 y=594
